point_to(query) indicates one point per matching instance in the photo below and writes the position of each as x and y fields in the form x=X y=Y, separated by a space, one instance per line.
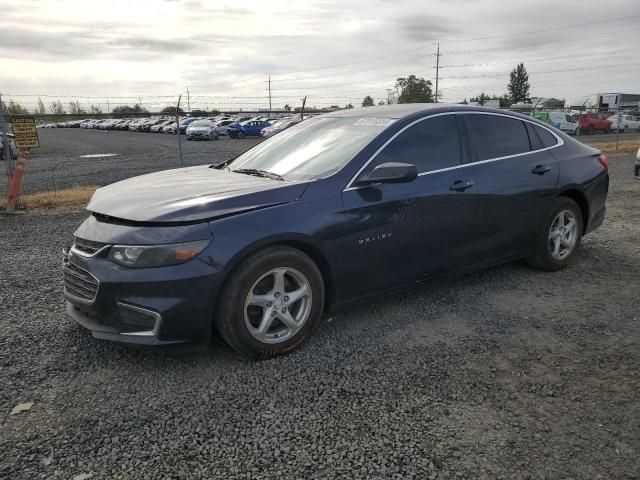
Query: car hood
x=199 y=129
x=190 y=195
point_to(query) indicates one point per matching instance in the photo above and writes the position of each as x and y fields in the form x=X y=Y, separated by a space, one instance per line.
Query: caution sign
x=26 y=135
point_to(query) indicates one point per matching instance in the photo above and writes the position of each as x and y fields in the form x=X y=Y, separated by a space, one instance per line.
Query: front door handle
x=541 y=169
x=461 y=185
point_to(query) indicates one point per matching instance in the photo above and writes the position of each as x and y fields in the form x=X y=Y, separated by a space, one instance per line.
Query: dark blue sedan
x=338 y=207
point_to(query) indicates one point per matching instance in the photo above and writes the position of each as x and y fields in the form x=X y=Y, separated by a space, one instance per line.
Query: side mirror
x=390 y=172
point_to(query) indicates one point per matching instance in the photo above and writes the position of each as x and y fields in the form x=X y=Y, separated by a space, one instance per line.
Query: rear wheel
x=591 y=130
x=625 y=129
x=270 y=302
x=560 y=236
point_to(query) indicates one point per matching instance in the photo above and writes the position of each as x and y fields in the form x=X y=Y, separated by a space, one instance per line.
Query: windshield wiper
x=259 y=173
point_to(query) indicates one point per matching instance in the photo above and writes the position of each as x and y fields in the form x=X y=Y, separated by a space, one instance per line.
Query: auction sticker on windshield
x=375 y=121
x=25 y=133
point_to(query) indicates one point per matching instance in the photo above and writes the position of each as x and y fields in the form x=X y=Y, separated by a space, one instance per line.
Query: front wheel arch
x=299 y=243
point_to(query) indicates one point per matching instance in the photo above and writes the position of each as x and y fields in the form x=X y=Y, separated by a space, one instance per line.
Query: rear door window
x=494 y=136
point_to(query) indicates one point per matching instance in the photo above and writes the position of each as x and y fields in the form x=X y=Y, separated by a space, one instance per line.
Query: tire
x=240 y=135
x=625 y=129
x=591 y=130
x=576 y=132
x=543 y=256
x=238 y=320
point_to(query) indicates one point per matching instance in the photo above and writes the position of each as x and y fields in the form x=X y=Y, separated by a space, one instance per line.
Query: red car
x=593 y=122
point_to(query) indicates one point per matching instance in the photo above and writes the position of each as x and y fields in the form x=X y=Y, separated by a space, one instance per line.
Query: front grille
x=79 y=283
x=88 y=247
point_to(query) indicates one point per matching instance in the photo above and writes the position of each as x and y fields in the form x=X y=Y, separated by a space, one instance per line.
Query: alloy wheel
x=278 y=305
x=563 y=235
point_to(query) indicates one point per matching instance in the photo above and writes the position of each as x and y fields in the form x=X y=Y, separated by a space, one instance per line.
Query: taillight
x=604 y=161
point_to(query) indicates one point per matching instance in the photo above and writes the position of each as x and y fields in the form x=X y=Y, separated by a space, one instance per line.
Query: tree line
x=412 y=89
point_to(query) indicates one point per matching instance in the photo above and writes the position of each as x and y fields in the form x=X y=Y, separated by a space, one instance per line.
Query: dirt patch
x=75 y=197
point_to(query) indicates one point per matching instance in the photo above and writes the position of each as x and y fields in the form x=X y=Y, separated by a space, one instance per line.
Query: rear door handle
x=461 y=185
x=541 y=169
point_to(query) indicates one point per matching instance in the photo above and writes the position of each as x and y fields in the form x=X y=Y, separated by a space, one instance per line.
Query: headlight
x=148 y=256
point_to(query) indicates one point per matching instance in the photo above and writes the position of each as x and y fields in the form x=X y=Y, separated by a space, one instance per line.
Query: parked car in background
x=565 y=122
x=157 y=128
x=13 y=149
x=629 y=123
x=202 y=130
x=594 y=122
x=278 y=126
x=637 y=165
x=250 y=128
x=185 y=122
x=222 y=126
x=341 y=206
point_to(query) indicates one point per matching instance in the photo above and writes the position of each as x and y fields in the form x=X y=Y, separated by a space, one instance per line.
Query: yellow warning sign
x=26 y=135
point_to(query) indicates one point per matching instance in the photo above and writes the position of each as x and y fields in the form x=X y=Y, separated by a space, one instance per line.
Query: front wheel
x=270 y=302
x=560 y=237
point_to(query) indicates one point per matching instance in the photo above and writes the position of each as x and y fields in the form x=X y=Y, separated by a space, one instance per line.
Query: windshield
x=201 y=123
x=312 y=149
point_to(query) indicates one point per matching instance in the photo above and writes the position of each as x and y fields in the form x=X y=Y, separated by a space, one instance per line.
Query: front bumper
x=150 y=306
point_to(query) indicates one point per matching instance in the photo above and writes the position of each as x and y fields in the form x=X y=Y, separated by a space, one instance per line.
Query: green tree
x=95 y=109
x=368 y=101
x=75 y=108
x=414 y=90
x=40 y=108
x=518 y=86
x=171 y=110
x=127 y=109
x=381 y=102
x=348 y=105
x=57 y=108
x=287 y=108
x=14 y=108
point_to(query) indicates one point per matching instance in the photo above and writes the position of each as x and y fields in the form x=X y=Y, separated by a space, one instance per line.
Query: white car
x=565 y=122
x=627 y=124
x=222 y=126
x=201 y=129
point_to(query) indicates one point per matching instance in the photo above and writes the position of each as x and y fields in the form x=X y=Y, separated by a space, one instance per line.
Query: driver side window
x=430 y=144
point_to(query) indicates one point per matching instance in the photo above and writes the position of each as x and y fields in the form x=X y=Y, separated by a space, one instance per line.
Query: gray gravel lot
x=508 y=373
x=60 y=162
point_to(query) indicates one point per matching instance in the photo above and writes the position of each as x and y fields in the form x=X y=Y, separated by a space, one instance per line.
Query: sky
x=112 y=52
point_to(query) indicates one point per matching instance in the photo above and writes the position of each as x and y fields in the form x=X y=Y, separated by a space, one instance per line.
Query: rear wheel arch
x=580 y=198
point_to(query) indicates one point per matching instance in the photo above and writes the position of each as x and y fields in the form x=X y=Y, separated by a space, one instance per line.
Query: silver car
x=202 y=130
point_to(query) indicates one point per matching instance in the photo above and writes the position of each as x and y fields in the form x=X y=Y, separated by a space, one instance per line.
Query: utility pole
x=269 y=81
x=108 y=108
x=437 y=70
x=188 y=101
x=178 y=129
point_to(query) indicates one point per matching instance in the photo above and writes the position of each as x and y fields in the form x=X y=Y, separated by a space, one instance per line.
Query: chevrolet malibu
x=338 y=207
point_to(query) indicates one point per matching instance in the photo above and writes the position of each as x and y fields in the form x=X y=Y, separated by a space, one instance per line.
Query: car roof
x=398 y=111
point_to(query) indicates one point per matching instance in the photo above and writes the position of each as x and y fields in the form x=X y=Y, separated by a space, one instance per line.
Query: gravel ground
x=60 y=162
x=509 y=373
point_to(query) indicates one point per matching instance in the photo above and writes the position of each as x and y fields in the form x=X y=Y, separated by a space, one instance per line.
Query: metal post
x=178 y=129
x=188 y=101
x=618 y=129
x=304 y=101
x=5 y=142
x=437 y=70
x=269 y=92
